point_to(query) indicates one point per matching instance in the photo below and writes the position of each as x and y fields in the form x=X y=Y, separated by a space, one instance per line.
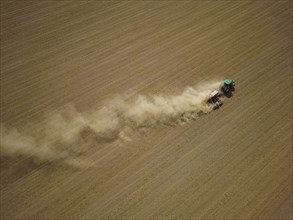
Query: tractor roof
x=228 y=81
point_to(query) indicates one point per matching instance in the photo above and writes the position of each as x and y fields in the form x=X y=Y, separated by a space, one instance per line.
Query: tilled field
x=233 y=163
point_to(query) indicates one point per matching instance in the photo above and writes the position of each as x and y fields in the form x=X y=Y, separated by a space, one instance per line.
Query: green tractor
x=228 y=86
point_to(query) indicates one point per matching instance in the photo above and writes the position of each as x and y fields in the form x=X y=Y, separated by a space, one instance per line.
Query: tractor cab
x=229 y=82
x=228 y=85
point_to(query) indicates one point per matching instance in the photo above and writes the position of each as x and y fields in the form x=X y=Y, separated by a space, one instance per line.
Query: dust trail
x=69 y=133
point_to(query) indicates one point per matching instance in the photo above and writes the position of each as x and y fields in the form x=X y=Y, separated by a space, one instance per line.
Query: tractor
x=228 y=86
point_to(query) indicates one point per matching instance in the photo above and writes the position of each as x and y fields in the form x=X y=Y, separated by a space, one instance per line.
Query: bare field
x=67 y=64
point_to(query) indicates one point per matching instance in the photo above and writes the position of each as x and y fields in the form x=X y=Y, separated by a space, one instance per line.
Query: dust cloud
x=68 y=133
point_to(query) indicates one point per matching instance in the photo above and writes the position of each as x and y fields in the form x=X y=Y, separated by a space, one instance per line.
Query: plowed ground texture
x=233 y=163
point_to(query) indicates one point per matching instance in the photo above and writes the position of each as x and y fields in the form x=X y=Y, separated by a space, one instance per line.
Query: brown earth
x=234 y=163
